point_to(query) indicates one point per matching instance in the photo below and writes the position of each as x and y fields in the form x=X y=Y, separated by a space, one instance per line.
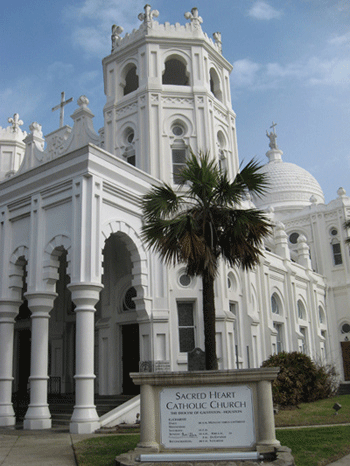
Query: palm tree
x=201 y=221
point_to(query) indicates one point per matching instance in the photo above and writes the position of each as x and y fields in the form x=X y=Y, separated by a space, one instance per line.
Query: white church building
x=82 y=300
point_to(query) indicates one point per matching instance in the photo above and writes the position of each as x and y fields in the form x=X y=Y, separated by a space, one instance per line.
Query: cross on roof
x=273 y=127
x=61 y=107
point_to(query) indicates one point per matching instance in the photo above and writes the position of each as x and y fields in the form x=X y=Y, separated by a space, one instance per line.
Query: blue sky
x=291 y=65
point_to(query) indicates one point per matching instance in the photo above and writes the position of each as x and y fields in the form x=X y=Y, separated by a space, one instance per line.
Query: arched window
x=275 y=304
x=129 y=152
x=178 y=150
x=221 y=145
x=131 y=80
x=215 y=86
x=321 y=315
x=301 y=310
x=175 y=73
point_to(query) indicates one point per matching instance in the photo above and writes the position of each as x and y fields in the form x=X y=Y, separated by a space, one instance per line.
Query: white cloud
x=244 y=73
x=312 y=72
x=339 y=41
x=263 y=11
x=93 y=19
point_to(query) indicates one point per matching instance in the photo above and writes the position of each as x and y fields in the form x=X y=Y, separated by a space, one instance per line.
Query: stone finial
x=341 y=192
x=217 y=40
x=148 y=15
x=272 y=136
x=35 y=129
x=16 y=122
x=116 y=31
x=83 y=101
x=196 y=20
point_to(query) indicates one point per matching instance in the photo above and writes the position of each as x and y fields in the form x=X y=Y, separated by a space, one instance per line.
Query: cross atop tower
x=61 y=107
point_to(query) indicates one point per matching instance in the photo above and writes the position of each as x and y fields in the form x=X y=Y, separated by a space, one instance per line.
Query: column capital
x=40 y=302
x=85 y=295
x=9 y=309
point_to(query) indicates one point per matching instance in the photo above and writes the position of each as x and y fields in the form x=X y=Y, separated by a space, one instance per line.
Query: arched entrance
x=118 y=328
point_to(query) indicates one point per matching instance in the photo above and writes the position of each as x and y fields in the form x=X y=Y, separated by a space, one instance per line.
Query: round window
x=334 y=231
x=293 y=238
x=177 y=130
x=130 y=136
x=185 y=280
x=128 y=302
x=345 y=328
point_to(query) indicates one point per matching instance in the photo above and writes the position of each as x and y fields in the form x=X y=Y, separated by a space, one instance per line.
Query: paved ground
x=34 y=448
x=52 y=448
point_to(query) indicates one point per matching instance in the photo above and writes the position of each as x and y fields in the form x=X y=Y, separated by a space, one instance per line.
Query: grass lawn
x=316 y=446
x=101 y=451
x=310 y=446
x=314 y=414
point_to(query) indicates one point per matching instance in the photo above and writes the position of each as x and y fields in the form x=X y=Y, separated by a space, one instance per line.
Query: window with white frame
x=279 y=337
x=275 y=304
x=129 y=152
x=185 y=312
x=303 y=346
x=301 y=310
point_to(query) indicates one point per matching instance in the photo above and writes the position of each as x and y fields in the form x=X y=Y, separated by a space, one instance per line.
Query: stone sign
x=208 y=416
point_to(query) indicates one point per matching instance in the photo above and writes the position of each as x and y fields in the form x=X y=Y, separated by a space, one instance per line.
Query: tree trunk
x=211 y=360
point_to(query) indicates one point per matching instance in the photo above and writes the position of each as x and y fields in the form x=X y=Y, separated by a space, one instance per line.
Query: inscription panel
x=207 y=417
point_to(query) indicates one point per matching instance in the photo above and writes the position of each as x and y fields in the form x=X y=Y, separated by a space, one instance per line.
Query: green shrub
x=300 y=380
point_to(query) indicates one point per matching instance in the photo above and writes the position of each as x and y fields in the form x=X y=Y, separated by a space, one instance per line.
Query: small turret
x=12 y=147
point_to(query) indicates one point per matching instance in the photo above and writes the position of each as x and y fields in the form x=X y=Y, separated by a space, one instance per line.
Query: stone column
x=85 y=419
x=148 y=416
x=8 y=312
x=267 y=435
x=38 y=415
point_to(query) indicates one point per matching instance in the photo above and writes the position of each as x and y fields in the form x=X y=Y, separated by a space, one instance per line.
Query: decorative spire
x=16 y=122
x=61 y=107
x=116 y=31
x=217 y=40
x=272 y=136
x=148 y=15
x=196 y=20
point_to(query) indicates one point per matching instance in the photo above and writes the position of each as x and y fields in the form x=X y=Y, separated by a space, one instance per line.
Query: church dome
x=291 y=187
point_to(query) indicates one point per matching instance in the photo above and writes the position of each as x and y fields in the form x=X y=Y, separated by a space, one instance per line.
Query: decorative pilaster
x=8 y=312
x=38 y=415
x=85 y=419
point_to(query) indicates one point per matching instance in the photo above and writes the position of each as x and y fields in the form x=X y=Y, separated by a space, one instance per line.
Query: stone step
x=62 y=406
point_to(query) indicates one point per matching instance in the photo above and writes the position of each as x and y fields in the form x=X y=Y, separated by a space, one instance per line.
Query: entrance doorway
x=131 y=357
x=345 y=346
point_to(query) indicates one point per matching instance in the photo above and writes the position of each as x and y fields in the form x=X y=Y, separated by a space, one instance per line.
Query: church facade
x=83 y=302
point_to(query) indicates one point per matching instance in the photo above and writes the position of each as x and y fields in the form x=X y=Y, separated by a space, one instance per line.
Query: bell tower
x=168 y=91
